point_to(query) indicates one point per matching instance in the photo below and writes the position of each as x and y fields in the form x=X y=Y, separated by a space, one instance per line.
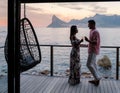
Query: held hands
x=84 y=38
x=84 y=45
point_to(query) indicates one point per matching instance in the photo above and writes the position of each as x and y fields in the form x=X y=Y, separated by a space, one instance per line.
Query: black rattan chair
x=30 y=54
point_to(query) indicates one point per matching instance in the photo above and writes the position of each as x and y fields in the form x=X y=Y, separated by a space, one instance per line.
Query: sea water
x=61 y=57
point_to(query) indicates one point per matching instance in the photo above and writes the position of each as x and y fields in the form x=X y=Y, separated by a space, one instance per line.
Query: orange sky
x=3 y=22
x=40 y=14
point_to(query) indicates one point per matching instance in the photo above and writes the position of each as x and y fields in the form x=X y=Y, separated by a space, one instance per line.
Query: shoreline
x=65 y=74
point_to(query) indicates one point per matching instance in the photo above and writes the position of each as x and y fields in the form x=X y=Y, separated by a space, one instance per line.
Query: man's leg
x=91 y=64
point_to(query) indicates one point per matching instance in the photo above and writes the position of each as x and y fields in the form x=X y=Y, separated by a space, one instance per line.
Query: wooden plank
x=61 y=83
x=117 y=90
x=99 y=87
x=40 y=84
x=23 y=78
x=28 y=82
x=74 y=89
x=112 y=86
x=104 y=86
x=44 y=85
x=79 y=86
x=25 y=88
x=118 y=84
x=67 y=87
x=51 y=85
x=90 y=87
x=48 y=84
x=24 y=82
x=109 y=86
x=86 y=85
x=71 y=87
x=82 y=87
x=63 y=86
x=58 y=85
x=36 y=83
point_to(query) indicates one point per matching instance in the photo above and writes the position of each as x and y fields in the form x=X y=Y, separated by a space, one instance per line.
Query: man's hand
x=86 y=39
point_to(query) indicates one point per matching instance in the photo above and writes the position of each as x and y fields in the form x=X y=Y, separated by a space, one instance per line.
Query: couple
x=93 y=51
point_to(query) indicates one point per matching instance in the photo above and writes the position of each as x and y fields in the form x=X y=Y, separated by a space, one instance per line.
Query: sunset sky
x=41 y=14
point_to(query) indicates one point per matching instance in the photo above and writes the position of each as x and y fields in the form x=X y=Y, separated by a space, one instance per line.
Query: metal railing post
x=51 y=60
x=117 y=63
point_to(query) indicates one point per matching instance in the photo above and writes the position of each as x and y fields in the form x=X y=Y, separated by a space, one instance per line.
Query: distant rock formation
x=101 y=21
x=56 y=22
x=105 y=62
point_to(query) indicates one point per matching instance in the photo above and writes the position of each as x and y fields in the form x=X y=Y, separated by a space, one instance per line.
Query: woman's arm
x=81 y=40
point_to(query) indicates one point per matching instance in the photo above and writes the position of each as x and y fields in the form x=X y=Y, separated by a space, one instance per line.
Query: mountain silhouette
x=101 y=21
x=56 y=22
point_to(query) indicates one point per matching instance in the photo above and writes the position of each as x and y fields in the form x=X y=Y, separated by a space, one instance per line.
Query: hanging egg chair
x=30 y=54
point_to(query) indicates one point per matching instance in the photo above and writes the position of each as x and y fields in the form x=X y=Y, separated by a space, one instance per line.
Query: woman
x=74 y=77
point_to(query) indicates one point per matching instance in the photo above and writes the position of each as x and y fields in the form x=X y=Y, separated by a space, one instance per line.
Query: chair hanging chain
x=24 y=11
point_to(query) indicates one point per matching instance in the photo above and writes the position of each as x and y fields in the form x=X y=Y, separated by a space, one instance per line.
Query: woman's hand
x=86 y=39
x=81 y=40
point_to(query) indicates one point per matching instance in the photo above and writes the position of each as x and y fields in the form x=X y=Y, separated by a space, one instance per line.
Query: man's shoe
x=95 y=82
x=92 y=81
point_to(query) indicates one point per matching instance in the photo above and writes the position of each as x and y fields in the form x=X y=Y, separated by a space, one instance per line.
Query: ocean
x=60 y=36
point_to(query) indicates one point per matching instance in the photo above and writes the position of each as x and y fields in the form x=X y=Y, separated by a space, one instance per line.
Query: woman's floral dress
x=75 y=65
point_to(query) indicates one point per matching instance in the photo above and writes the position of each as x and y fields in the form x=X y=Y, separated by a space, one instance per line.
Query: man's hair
x=91 y=22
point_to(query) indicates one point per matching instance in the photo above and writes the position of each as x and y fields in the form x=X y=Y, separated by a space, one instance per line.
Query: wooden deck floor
x=45 y=84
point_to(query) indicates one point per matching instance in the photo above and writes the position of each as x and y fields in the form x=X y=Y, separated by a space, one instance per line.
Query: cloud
x=3 y=8
x=35 y=17
x=98 y=9
x=3 y=12
x=33 y=9
x=39 y=19
x=95 y=7
x=29 y=10
x=72 y=5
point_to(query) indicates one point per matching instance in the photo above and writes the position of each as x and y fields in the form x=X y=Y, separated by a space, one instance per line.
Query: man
x=93 y=51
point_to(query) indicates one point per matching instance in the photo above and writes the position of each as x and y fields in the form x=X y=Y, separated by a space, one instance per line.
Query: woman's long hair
x=73 y=30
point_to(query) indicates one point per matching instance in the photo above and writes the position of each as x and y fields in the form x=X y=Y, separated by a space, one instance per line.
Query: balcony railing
x=52 y=55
